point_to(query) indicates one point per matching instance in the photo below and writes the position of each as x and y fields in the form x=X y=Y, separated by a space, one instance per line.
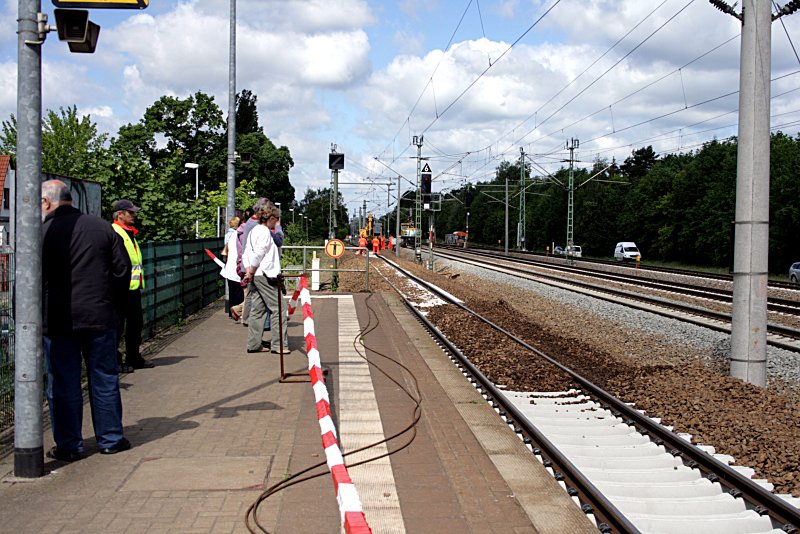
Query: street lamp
x=292 y=210
x=306 y=225
x=196 y=168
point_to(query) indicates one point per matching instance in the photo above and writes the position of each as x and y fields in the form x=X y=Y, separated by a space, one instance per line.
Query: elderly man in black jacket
x=85 y=271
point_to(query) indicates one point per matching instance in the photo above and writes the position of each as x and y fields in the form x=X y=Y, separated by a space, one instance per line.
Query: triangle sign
x=426 y=168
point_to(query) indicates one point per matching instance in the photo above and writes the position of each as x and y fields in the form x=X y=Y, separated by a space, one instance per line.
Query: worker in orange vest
x=376 y=245
x=383 y=242
x=391 y=242
x=362 y=246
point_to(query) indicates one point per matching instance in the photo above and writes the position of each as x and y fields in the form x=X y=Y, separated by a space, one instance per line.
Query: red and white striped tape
x=352 y=515
x=216 y=260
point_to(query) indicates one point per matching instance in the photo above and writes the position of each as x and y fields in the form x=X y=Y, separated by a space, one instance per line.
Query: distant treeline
x=675 y=207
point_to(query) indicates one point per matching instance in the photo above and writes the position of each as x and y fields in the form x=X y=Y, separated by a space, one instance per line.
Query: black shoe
x=262 y=349
x=265 y=344
x=64 y=456
x=144 y=364
x=123 y=445
x=125 y=368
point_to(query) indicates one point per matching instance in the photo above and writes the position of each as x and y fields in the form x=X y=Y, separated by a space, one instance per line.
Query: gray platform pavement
x=212 y=427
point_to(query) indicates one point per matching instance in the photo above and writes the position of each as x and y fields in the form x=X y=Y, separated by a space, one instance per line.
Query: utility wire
x=472 y=84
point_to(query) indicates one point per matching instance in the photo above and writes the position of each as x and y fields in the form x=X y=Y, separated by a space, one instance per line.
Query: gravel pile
x=672 y=370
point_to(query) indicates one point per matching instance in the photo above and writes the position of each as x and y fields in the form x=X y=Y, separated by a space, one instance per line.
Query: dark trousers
x=62 y=355
x=130 y=327
x=235 y=293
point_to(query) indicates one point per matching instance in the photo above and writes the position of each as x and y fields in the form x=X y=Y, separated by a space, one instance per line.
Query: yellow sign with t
x=103 y=4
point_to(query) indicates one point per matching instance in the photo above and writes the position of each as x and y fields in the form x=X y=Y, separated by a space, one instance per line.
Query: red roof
x=5 y=163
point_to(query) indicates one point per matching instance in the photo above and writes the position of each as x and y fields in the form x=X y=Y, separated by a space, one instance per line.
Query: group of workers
x=378 y=243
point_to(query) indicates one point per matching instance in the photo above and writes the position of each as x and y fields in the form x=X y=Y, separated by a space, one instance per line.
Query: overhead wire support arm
x=787 y=9
x=725 y=8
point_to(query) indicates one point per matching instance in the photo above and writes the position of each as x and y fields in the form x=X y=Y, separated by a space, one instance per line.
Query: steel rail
x=772 y=328
x=773 y=284
x=774 y=304
x=611 y=520
x=783 y=515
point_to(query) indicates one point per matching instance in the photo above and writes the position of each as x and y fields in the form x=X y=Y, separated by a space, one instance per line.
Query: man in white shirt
x=262 y=263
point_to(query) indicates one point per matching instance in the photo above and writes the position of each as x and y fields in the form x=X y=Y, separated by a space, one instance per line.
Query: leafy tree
x=247 y=113
x=639 y=163
x=268 y=170
x=316 y=206
x=8 y=137
x=71 y=145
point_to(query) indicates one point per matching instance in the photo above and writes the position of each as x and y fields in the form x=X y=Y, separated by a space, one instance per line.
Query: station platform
x=214 y=427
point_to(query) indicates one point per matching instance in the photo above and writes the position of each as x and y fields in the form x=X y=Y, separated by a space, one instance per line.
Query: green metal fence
x=6 y=339
x=180 y=279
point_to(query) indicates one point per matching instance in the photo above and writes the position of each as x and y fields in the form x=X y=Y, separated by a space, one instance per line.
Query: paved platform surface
x=213 y=427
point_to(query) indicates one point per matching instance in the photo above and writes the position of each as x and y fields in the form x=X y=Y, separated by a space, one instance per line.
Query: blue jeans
x=64 y=396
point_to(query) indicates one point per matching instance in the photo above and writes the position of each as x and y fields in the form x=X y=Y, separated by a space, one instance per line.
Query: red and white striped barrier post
x=352 y=515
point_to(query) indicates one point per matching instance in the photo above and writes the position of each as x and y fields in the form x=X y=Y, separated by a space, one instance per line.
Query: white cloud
x=8 y=89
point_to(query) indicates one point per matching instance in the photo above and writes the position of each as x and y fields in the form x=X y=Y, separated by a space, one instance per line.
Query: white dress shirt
x=261 y=252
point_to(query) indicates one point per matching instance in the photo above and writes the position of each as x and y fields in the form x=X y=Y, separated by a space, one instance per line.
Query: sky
x=474 y=81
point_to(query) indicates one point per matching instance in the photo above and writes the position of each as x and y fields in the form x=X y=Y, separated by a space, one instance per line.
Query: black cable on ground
x=252 y=511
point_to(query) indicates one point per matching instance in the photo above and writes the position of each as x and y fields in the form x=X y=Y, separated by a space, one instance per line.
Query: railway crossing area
x=214 y=428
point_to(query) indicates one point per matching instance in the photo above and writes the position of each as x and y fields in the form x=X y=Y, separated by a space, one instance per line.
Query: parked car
x=794 y=272
x=558 y=250
x=574 y=251
x=627 y=251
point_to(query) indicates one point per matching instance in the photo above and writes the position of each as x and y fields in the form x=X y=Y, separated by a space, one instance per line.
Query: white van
x=574 y=251
x=626 y=251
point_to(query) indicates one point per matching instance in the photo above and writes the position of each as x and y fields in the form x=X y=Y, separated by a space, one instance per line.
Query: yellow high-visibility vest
x=137 y=273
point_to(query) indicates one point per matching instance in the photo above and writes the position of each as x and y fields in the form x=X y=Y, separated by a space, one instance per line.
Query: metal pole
x=28 y=380
x=397 y=222
x=750 y=258
x=196 y=196
x=231 y=175
x=505 y=236
x=572 y=144
x=466 y=238
x=418 y=203
x=521 y=226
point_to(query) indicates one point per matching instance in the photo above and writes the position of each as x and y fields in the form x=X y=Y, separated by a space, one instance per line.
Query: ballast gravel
x=669 y=369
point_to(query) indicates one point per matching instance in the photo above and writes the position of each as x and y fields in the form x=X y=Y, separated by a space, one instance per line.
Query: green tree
x=247 y=113
x=315 y=205
x=71 y=145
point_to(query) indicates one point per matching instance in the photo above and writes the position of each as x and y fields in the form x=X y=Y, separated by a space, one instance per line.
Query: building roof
x=5 y=163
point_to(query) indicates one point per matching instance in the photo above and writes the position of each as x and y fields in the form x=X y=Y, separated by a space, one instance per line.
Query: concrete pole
x=28 y=380
x=231 y=175
x=751 y=242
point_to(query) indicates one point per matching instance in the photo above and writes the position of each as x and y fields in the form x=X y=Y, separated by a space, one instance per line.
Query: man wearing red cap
x=131 y=320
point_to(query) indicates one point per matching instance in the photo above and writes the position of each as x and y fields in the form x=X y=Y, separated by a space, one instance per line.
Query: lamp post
x=196 y=168
x=292 y=210
x=307 y=223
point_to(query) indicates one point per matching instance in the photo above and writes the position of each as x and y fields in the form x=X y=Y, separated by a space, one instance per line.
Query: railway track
x=773 y=284
x=626 y=470
x=778 y=335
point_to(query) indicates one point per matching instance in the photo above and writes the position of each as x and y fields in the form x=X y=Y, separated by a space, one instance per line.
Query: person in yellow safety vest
x=362 y=246
x=376 y=245
x=131 y=320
